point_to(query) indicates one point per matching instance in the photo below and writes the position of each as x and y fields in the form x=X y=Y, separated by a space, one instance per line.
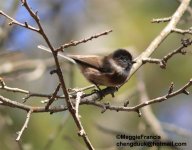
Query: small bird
x=111 y=70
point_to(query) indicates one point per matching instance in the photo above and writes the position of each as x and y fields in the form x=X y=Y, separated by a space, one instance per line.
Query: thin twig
x=24 y=125
x=183 y=32
x=74 y=43
x=53 y=97
x=159 y=20
x=4 y=87
x=182 y=90
x=59 y=74
x=91 y=100
x=161 y=37
x=29 y=94
x=13 y=21
x=78 y=100
x=171 y=88
x=162 y=62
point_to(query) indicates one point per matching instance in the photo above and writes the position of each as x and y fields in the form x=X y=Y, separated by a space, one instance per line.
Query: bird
x=111 y=70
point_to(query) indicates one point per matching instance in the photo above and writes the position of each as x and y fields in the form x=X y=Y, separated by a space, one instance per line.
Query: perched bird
x=111 y=70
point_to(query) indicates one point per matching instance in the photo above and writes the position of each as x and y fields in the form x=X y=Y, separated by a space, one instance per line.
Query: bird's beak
x=133 y=62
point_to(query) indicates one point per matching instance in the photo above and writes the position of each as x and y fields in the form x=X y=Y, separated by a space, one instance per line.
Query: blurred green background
x=66 y=20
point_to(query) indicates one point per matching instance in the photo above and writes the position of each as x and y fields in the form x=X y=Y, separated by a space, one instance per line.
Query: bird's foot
x=99 y=91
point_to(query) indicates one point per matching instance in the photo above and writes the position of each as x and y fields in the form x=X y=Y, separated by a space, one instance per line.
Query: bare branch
x=183 y=32
x=139 y=106
x=90 y=99
x=161 y=37
x=4 y=87
x=13 y=21
x=159 y=20
x=78 y=99
x=24 y=125
x=74 y=43
x=53 y=97
x=171 y=88
x=162 y=62
x=59 y=73
x=189 y=9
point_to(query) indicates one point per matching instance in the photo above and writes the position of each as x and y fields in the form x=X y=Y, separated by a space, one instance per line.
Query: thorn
x=11 y=23
x=162 y=64
x=103 y=110
x=26 y=24
x=44 y=101
x=53 y=71
x=144 y=61
x=105 y=106
x=139 y=112
x=183 y=52
x=2 y=83
x=26 y=98
x=126 y=103
x=186 y=92
x=81 y=133
x=17 y=132
x=171 y=88
x=185 y=42
x=36 y=13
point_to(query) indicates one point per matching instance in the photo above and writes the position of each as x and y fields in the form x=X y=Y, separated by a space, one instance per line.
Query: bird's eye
x=123 y=59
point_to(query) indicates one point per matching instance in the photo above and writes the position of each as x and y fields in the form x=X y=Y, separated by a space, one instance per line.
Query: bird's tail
x=59 y=54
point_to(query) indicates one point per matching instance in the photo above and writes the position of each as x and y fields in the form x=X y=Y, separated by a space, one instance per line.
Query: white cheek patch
x=118 y=68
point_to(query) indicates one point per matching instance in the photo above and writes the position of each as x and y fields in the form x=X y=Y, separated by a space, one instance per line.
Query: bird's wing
x=89 y=60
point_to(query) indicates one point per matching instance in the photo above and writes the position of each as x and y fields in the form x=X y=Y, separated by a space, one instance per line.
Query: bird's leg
x=99 y=91
x=116 y=88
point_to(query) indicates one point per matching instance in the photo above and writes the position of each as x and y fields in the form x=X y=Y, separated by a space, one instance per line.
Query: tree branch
x=161 y=37
x=74 y=43
x=24 y=125
x=162 y=62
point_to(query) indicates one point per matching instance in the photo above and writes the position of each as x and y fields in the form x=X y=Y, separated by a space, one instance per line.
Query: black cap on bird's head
x=122 y=54
x=123 y=58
